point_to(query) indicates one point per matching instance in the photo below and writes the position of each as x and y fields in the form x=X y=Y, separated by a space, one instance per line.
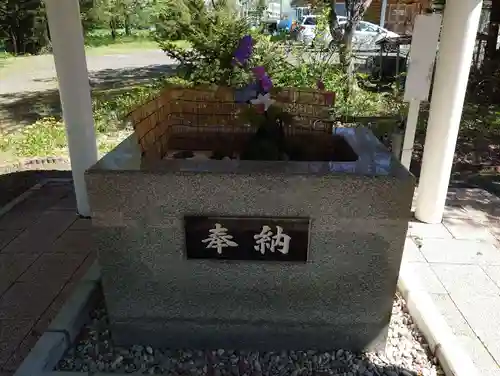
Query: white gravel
x=406 y=355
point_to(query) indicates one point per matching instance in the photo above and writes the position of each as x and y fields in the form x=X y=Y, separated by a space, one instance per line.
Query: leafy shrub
x=109 y=110
x=213 y=35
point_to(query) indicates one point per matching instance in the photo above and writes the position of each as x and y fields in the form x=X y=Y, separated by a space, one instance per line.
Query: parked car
x=367 y=34
x=307 y=28
x=364 y=38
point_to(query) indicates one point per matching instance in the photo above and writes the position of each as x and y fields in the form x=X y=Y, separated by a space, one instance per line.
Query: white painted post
x=424 y=44
x=458 y=35
x=409 y=137
x=69 y=55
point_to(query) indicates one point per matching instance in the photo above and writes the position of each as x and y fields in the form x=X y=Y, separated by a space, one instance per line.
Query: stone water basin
x=317 y=256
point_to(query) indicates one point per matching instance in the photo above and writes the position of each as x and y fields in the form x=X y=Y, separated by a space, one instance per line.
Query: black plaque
x=247 y=238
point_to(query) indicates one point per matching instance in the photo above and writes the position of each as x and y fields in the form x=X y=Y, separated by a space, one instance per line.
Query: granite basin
x=337 y=294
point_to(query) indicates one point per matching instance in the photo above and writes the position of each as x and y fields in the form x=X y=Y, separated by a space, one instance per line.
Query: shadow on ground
x=26 y=107
x=14 y=184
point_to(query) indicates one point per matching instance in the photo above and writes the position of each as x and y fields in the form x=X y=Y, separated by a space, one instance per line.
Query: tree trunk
x=127 y=25
x=492 y=56
x=343 y=39
x=347 y=61
x=355 y=11
x=491 y=44
x=333 y=22
x=15 y=47
x=49 y=37
x=113 y=28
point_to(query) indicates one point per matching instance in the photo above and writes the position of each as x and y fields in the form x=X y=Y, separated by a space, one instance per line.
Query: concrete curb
x=35 y=163
x=75 y=312
x=63 y=330
x=442 y=342
x=45 y=355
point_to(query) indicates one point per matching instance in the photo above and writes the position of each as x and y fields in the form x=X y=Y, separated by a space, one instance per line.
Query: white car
x=364 y=38
x=307 y=28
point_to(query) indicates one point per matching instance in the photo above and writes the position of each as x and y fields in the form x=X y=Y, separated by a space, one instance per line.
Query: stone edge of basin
x=373 y=160
x=62 y=331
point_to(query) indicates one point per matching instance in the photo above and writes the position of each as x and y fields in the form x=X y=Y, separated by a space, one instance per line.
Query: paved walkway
x=458 y=263
x=45 y=249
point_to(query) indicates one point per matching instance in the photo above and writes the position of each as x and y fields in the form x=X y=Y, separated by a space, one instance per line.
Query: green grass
x=5 y=58
x=122 y=45
x=128 y=44
x=47 y=137
x=4 y=55
x=96 y=40
x=101 y=41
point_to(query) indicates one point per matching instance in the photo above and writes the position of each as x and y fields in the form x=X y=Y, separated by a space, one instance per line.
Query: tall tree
x=123 y=13
x=23 y=26
x=342 y=36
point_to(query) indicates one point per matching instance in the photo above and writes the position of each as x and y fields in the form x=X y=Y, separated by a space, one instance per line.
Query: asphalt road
x=37 y=73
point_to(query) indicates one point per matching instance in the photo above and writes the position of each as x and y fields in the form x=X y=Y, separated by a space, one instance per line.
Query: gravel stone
x=406 y=354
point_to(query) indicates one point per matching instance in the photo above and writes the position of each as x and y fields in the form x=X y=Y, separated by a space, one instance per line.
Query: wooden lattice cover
x=184 y=116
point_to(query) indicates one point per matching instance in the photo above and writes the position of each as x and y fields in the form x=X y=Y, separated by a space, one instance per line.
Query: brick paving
x=44 y=251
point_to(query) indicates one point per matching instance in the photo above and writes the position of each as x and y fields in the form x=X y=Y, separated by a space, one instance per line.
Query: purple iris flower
x=259 y=72
x=264 y=80
x=243 y=51
x=266 y=83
